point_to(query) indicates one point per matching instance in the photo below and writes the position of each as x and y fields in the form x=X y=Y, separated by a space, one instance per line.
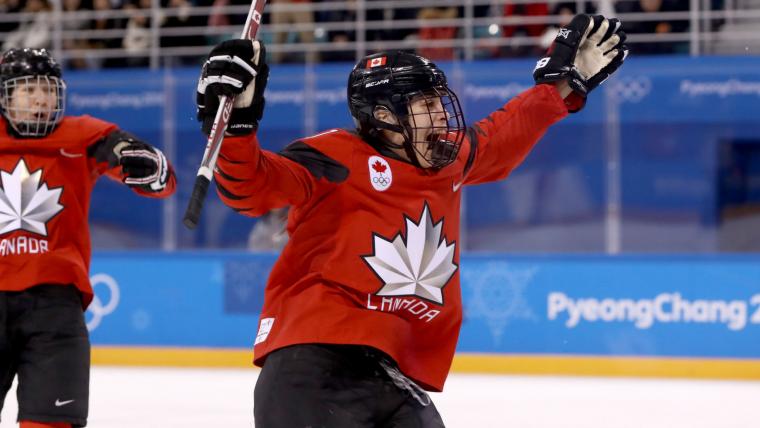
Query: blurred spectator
x=137 y=39
x=404 y=15
x=298 y=17
x=657 y=26
x=8 y=7
x=530 y=30
x=429 y=33
x=179 y=16
x=71 y=26
x=339 y=38
x=602 y=7
x=373 y=15
x=565 y=12
x=485 y=34
x=33 y=32
x=397 y=23
x=103 y=21
x=218 y=17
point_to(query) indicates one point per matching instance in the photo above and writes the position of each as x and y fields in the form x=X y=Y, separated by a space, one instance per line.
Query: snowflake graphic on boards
x=498 y=295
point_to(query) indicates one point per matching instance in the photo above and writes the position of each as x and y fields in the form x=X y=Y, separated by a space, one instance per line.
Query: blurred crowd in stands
x=134 y=36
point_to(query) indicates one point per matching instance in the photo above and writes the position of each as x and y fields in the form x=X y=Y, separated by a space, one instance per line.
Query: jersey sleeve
x=501 y=141
x=100 y=154
x=253 y=181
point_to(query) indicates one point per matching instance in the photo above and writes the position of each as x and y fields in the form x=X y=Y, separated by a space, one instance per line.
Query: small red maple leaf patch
x=379 y=167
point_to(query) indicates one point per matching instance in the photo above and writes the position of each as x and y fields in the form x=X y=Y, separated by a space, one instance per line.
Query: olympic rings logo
x=380 y=175
x=632 y=89
x=97 y=309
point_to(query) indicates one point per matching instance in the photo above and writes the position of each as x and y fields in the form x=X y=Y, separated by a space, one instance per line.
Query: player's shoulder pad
x=333 y=140
x=472 y=140
x=324 y=155
x=86 y=129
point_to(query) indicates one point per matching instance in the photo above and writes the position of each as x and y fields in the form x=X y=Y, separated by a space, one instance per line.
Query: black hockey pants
x=338 y=386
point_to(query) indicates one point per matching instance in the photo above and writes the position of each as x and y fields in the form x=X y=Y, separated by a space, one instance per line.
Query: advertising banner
x=701 y=307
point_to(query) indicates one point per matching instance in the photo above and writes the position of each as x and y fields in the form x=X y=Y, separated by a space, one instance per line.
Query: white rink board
x=190 y=398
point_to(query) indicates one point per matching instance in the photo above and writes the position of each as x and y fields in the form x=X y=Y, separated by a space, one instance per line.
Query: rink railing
x=702 y=28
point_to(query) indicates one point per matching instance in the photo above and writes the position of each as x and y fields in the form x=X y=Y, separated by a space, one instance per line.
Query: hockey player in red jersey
x=363 y=308
x=49 y=164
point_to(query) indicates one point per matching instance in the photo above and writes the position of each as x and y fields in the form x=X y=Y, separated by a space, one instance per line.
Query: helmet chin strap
x=376 y=124
x=405 y=131
x=411 y=153
x=26 y=129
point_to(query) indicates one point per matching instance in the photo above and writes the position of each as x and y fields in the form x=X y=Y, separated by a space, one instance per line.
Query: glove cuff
x=556 y=76
x=242 y=121
x=577 y=83
x=575 y=102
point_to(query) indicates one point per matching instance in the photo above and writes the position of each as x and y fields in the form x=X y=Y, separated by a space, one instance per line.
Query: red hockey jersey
x=373 y=256
x=45 y=201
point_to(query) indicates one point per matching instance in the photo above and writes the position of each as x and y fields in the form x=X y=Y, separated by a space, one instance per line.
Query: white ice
x=189 y=398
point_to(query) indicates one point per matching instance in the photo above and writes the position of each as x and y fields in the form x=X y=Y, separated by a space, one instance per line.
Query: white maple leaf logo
x=24 y=203
x=419 y=266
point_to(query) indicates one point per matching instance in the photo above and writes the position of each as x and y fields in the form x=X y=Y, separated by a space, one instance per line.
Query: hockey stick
x=215 y=137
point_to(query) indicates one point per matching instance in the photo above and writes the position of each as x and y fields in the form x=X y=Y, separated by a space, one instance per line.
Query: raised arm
x=251 y=180
x=582 y=56
x=501 y=141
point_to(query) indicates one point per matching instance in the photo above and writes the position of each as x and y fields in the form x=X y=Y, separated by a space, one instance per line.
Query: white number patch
x=541 y=63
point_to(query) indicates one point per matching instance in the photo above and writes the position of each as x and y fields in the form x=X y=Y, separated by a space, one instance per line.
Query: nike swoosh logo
x=71 y=155
x=322 y=133
x=59 y=403
x=456 y=186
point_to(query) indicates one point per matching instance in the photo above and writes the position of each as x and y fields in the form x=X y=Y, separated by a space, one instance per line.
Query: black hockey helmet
x=390 y=80
x=26 y=68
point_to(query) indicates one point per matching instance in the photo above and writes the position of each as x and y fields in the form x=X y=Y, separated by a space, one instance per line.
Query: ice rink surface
x=195 y=398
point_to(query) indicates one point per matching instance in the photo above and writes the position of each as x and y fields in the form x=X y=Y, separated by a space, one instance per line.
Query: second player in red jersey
x=49 y=164
x=363 y=308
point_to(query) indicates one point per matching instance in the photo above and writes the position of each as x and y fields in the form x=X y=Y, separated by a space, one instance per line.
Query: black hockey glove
x=601 y=53
x=558 y=64
x=234 y=68
x=144 y=167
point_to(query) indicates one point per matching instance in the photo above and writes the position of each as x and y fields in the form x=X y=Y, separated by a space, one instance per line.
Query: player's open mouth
x=433 y=137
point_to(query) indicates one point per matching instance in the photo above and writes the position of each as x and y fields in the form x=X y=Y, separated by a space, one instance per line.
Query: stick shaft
x=216 y=136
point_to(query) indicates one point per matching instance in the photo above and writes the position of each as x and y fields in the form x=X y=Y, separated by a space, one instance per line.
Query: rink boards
x=696 y=316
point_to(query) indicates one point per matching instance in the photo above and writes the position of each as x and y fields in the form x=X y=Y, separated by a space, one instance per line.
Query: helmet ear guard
x=378 y=124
